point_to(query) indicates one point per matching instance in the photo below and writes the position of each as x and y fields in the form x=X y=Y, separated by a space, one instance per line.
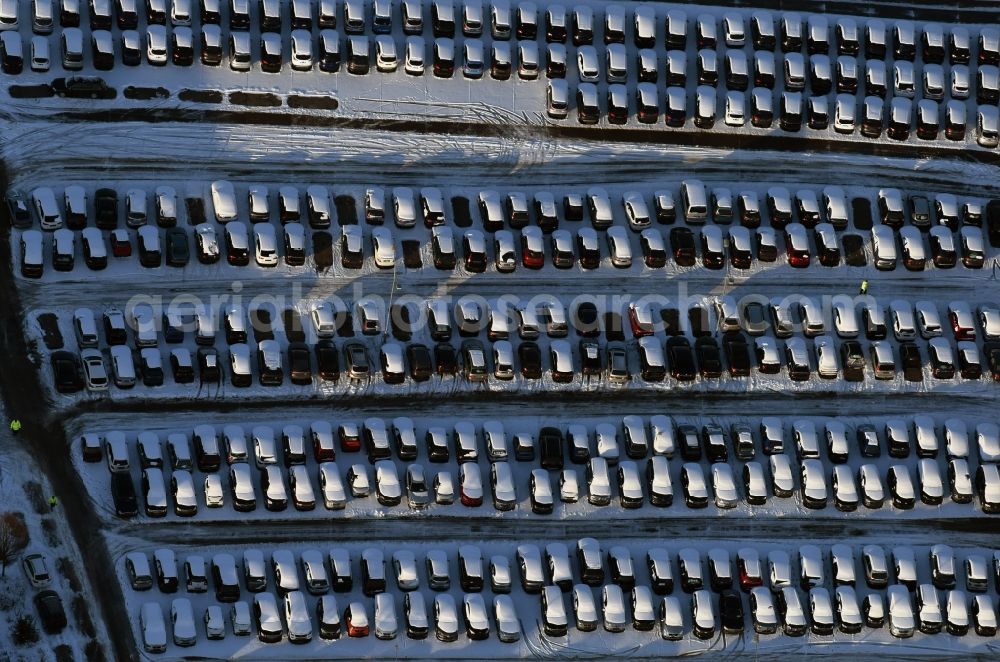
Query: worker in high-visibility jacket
x=15 y=426
x=864 y=286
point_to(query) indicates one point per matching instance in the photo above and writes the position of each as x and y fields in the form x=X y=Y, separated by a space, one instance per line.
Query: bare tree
x=8 y=546
x=13 y=538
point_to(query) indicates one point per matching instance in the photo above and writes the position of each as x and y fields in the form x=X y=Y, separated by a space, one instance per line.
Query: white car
x=383 y=247
x=588 y=64
x=214 y=496
x=156 y=45
x=735 y=109
x=724 y=486
x=215 y=624
x=414 y=62
x=332 y=487
x=95 y=372
x=182 y=618
x=265 y=245
x=40 y=56
x=36 y=568
x=385 y=53
x=302 y=59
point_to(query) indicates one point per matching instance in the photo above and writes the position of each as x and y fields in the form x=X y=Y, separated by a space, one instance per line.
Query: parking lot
x=286 y=313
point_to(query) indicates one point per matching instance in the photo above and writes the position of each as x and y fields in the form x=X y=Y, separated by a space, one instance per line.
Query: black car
x=123 y=493
x=106 y=208
x=992 y=352
x=585 y=320
x=654 y=258
x=968 y=365
x=178 y=251
x=50 y=611
x=299 y=365
x=709 y=357
x=737 y=354
x=731 y=611
x=714 y=439
x=419 y=359
x=67 y=372
x=590 y=358
x=208 y=365
x=688 y=442
x=681 y=359
x=550 y=442
x=682 y=241
x=152 y=375
x=909 y=356
x=327 y=360
x=530 y=357
x=445 y=361
x=180 y=365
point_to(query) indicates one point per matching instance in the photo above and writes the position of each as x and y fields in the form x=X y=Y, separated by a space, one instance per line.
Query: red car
x=350 y=438
x=797 y=245
x=471 y=493
x=962 y=323
x=357 y=620
x=322 y=441
x=121 y=244
x=641 y=319
x=532 y=248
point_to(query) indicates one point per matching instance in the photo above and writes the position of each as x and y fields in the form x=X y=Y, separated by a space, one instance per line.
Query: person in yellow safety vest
x=15 y=426
x=53 y=502
x=864 y=286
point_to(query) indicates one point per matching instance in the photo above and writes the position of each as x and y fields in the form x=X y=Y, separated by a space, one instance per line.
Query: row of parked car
x=555 y=25
x=635 y=480
x=586 y=561
x=825 y=594
x=648 y=360
x=631 y=483
x=439 y=319
x=711 y=247
x=659 y=435
x=692 y=202
x=661 y=342
x=899 y=119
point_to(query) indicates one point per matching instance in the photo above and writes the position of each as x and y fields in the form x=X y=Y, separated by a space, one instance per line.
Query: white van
x=154 y=630
x=49 y=216
x=122 y=366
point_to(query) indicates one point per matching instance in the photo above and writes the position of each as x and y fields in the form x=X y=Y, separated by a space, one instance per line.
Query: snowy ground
x=50 y=536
